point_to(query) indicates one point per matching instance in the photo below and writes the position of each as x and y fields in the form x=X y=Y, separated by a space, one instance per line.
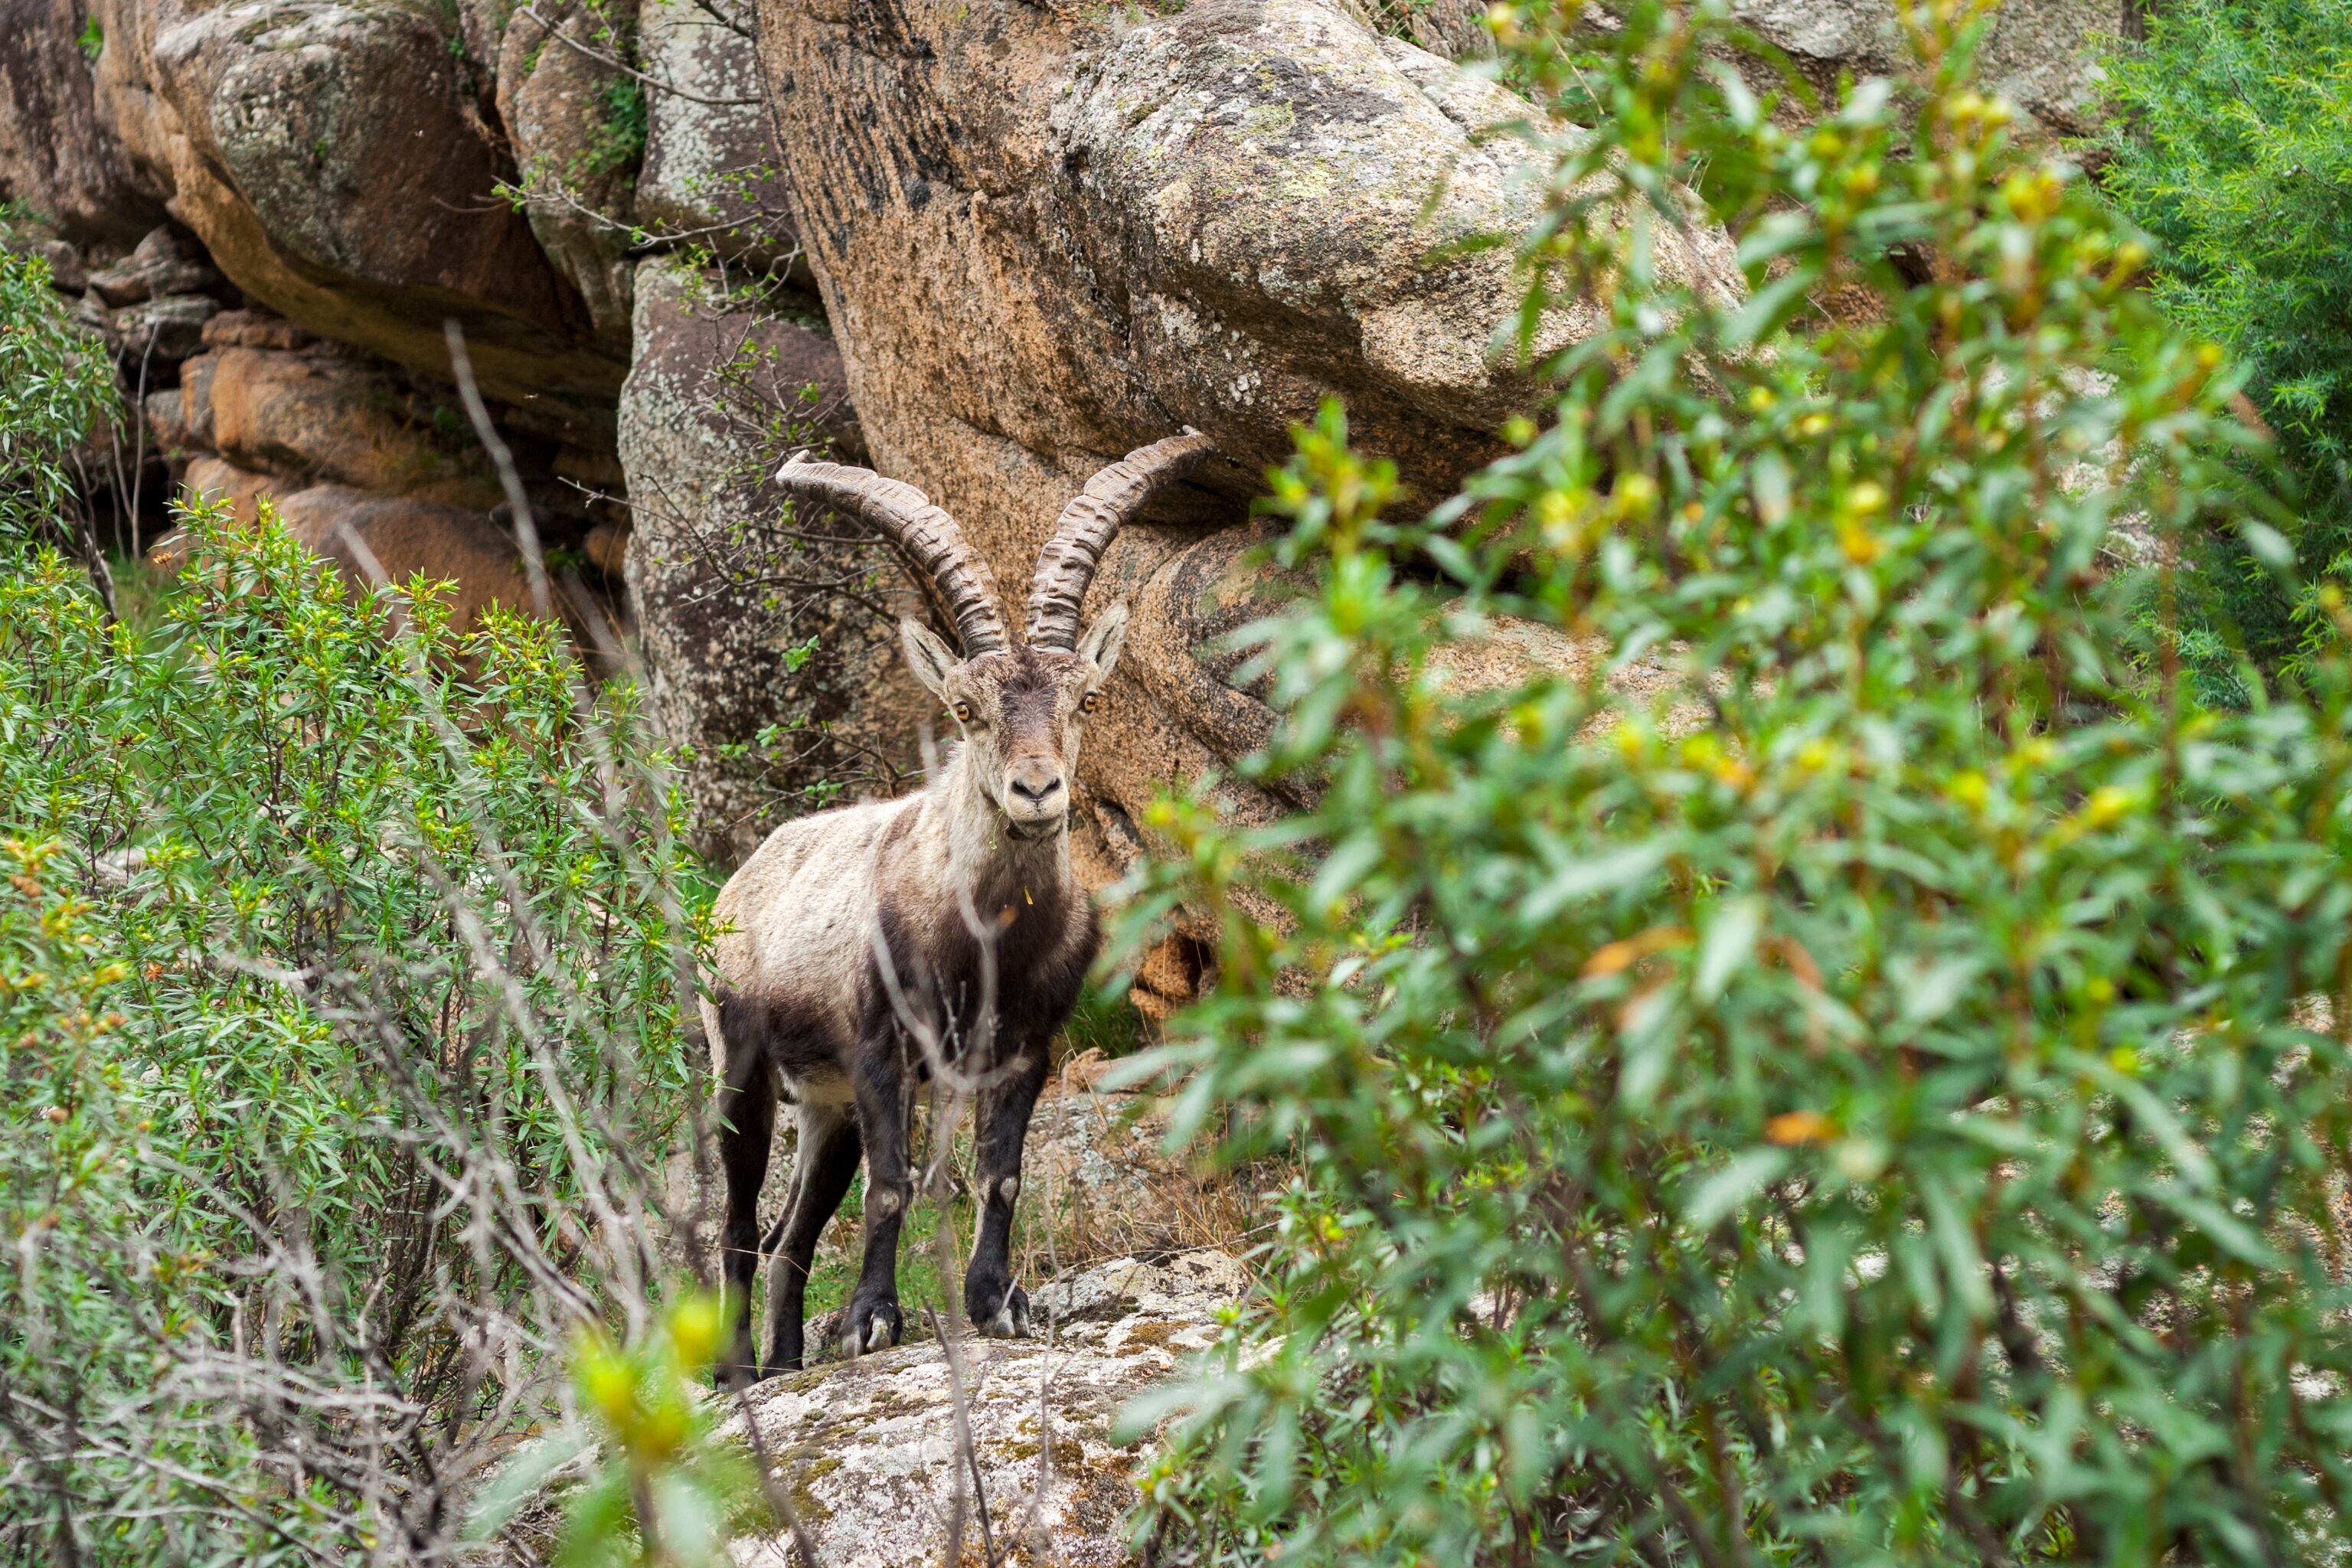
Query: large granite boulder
x=1046 y=236
x=241 y=490
x=866 y=1448
x=770 y=640
x=2042 y=55
x=373 y=539
x=314 y=416
x=712 y=175
x=334 y=162
x=577 y=126
x=58 y=155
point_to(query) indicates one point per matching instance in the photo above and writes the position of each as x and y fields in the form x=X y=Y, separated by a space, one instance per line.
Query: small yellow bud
x=693 y=1329
x=2108 y=804
x=609 y=1383
x=1800 y=1127
x=1860 y=546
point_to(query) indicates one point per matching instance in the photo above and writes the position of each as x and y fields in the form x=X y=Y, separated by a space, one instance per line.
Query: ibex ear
x=928 y=656
x=1100 y=645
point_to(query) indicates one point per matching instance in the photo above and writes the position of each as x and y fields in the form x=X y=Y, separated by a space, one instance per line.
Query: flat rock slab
x=868 y=1448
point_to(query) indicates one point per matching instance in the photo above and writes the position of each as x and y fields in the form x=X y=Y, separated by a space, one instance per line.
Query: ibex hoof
x=1010 y=1320
x=870 y=1327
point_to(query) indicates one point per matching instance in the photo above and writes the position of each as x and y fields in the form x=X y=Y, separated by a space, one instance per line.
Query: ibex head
x=1021 y=702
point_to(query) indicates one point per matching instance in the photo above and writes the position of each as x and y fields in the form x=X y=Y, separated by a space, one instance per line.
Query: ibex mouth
x=1029 y=832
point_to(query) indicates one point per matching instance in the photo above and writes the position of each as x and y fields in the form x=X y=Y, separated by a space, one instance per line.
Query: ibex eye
x=963 y=712
x=1090 y=701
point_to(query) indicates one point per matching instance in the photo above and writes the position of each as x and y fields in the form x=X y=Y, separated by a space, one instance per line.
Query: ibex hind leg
x=823 y=1164
x=747 y=1125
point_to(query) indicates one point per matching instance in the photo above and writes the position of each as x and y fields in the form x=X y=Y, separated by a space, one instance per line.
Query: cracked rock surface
x=867 y=1450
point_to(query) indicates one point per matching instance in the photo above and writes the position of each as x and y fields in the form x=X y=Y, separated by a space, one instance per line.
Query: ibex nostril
x=1034 y=793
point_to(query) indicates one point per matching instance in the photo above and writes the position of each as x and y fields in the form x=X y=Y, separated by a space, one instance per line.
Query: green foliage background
x=1873 y=1090
x=340 y=957
x=2228 y=144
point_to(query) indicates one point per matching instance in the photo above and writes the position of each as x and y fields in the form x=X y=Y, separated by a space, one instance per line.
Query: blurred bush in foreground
x=1883 y=1100
x=341 y=966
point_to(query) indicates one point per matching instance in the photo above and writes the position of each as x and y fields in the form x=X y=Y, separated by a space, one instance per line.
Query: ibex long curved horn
x=1066 y=567
x=928 y=536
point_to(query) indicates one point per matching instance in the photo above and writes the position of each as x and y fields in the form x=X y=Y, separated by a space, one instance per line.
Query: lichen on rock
x=866 y=1448
x=753 y=623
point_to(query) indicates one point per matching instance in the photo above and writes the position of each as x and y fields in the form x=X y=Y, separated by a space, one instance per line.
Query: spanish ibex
x=867 y=947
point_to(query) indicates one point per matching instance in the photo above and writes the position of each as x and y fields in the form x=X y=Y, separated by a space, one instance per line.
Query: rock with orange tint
x=338 y=165
x=241 y=489
x=379 y=539
x=323 y=419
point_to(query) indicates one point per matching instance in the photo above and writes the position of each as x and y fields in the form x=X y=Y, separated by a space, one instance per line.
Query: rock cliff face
x=995 y=243
x=2039 y=54
x=753 y=622
x=1216 y=218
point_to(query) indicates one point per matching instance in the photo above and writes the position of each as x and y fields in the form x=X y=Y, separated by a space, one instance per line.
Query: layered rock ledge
x=867 y=1450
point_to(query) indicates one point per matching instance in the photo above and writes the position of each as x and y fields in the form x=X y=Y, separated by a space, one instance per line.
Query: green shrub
x=55 y=385
x=2230 y=144
x=340 y=1050
x=1868 y=1089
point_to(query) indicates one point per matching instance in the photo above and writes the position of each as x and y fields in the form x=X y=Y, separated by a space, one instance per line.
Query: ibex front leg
x=880 y=1077
x=991 y=1299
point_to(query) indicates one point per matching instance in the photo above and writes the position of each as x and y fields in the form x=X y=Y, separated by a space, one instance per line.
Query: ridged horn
x=925 y=535
x=1066 y=567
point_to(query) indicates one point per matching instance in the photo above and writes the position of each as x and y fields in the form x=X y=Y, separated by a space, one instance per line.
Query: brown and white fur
x=871 y=948
x=865 y=947
x=965 y=891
